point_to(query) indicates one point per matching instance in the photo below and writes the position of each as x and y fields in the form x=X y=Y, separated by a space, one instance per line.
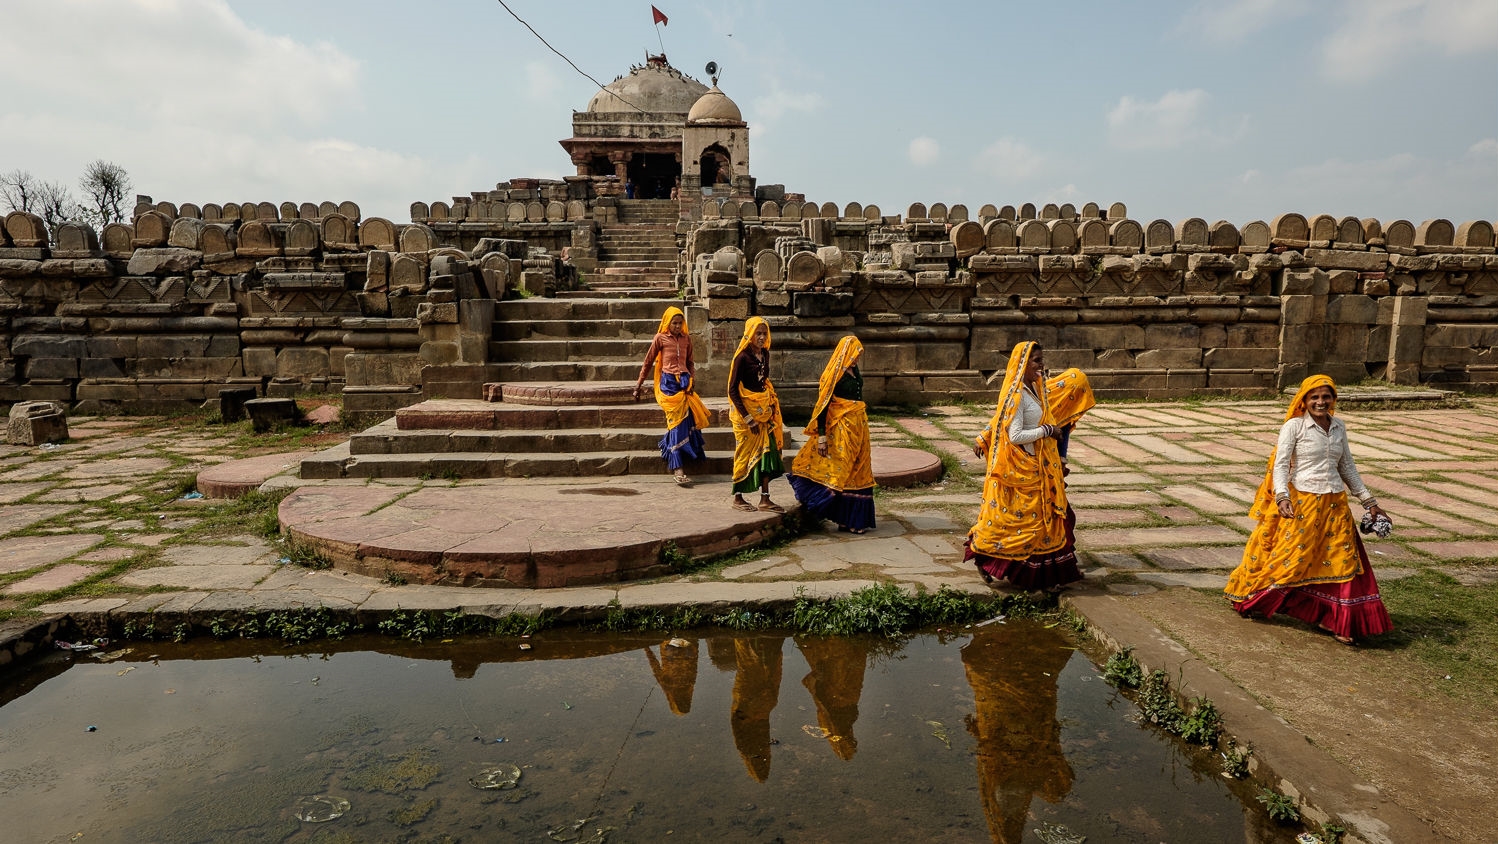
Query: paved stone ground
x=1161 y=491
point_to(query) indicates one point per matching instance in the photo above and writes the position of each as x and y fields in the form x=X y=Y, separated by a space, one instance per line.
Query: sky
x=1230 y=110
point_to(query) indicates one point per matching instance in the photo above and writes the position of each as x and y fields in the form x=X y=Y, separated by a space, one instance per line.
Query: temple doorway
x=653 y=175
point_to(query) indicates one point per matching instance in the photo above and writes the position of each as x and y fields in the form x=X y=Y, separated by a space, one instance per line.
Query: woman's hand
x=822 y=446
x=636 y=392
x=1287 y=509
x=980 y=448
x=753 y=427
x=1377 y=511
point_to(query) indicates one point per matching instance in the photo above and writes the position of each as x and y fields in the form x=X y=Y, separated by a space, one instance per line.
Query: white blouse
x=1025 y=427
x=1316 y=461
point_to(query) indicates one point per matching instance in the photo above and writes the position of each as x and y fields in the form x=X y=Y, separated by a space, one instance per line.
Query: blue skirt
x=684 y=442
x=851 y=509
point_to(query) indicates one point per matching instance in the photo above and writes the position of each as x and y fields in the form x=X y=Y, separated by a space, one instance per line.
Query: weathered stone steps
x=393 y=441
x=483 y=465
x=471 y=415
x=538 y=348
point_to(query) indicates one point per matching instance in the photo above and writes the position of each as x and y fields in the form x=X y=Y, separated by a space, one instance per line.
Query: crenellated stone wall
x=1150 y=309
x=185 y=300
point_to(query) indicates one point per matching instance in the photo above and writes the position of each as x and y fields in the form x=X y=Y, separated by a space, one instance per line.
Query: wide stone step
x=483 y=465
x=539 y=350
x=560 y=394
x=476 y=415
x=570 y=441
x=580 y=329
x=584 y=308
x=627 y=292
x=567 y=370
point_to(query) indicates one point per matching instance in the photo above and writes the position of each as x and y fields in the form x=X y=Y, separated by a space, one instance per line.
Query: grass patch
x=883 y=610
x=1448 y=628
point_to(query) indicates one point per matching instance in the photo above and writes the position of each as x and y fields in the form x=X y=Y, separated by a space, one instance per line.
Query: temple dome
x=714 y=108
x=657 y=88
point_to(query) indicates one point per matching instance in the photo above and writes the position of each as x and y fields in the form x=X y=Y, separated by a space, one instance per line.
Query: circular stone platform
x=524 y=533
x=902 y=467
x=237 y=477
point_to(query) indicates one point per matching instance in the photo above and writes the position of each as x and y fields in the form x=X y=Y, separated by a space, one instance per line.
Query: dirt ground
x=1378 y=712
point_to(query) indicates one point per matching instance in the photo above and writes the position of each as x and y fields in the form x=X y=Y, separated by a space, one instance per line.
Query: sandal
x=740 y=504
x=769 y=506
x=854 y=531
x=1346 y=640
x=681 y=480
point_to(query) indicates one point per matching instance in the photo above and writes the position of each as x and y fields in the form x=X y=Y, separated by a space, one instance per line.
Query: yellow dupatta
x=1069 y=395
x=1316 y=545
x=763 y=407
x=1024 y=498
x=678 y=406
x=848 y=464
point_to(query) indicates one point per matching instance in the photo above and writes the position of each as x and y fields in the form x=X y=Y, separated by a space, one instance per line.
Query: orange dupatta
x=687 y=401
x=1024 y=498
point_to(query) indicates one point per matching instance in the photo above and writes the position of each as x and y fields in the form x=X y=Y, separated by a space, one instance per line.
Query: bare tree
x=18 y=189
x=52 y=202
x=106 y=185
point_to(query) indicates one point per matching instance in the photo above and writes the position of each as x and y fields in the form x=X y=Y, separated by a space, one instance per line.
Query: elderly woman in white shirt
x=1305 y=558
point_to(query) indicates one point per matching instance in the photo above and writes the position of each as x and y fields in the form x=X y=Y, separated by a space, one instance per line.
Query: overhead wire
x=565 y=59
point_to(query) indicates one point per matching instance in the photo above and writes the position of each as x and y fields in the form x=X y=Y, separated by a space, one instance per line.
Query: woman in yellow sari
x=758 y=433
x=1304 y=557
x=833 y=475
x=675 y=391
x=1024 y=529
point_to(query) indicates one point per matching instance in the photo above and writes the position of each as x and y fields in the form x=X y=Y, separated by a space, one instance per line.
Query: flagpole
x=658 y=39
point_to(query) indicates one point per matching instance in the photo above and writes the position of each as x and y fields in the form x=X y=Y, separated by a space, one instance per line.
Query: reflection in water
x=479 y=740
x=756 y=688
x=835 y=682
x=1013 y=673
x=675 y=672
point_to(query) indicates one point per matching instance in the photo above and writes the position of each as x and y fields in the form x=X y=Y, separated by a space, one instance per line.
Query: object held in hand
x=1382 y=526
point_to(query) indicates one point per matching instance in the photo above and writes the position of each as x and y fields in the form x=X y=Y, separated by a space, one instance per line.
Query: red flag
x=660 y=17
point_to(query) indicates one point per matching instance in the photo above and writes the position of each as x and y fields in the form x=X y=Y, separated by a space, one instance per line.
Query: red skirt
x=1352 y=608
x=1038 y=571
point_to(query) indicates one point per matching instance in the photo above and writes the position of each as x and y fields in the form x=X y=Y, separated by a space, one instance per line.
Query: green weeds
x=1281 y=809
x=1122 y=670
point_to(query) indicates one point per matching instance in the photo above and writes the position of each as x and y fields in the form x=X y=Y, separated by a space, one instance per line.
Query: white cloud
x=1377 y=35
x=1250 y=176
x=1237 y=20
x=779 y=102
x=1485 y=148
x=924 y=151
x=169 y=61
x=1009 y=159
x=1169 y=122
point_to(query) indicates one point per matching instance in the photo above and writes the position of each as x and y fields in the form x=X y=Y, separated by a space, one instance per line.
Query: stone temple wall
x=1148 y=309
x=183 y=301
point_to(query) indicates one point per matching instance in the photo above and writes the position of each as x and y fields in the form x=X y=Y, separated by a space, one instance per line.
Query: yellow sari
x=680 y=405
x=1024 y=511
x=751 y=448
x=848 y=464
x=1316 y=545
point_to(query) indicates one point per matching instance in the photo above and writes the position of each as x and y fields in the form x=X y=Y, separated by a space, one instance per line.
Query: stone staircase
x=638 y=255
x=560 y=407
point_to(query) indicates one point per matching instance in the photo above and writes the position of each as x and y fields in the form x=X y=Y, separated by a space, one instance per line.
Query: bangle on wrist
x=1369 y=503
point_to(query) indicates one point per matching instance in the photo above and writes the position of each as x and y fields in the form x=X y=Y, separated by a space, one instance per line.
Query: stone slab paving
x=1161 y=490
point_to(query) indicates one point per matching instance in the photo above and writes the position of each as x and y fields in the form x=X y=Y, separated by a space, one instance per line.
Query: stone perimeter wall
x=1147 y=309
x=184 y=301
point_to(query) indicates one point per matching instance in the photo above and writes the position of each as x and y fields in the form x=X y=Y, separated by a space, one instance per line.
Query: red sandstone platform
x=519 y=533
x=902 y=467
x=237 y=477
x=561 y=394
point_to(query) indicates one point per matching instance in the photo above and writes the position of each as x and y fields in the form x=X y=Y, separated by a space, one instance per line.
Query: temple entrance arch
x=653 y=174
x=715 y=166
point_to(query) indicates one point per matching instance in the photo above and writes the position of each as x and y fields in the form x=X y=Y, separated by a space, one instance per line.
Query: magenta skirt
x=1352 y=609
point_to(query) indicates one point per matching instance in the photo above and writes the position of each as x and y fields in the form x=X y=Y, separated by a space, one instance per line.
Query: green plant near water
x=673 y=557
x=1280 y=808
x=1332 y=833
x=1235 y=761
x=1122 y=670
x=1203 y=725
x=418 y=625
x=1158 y=702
